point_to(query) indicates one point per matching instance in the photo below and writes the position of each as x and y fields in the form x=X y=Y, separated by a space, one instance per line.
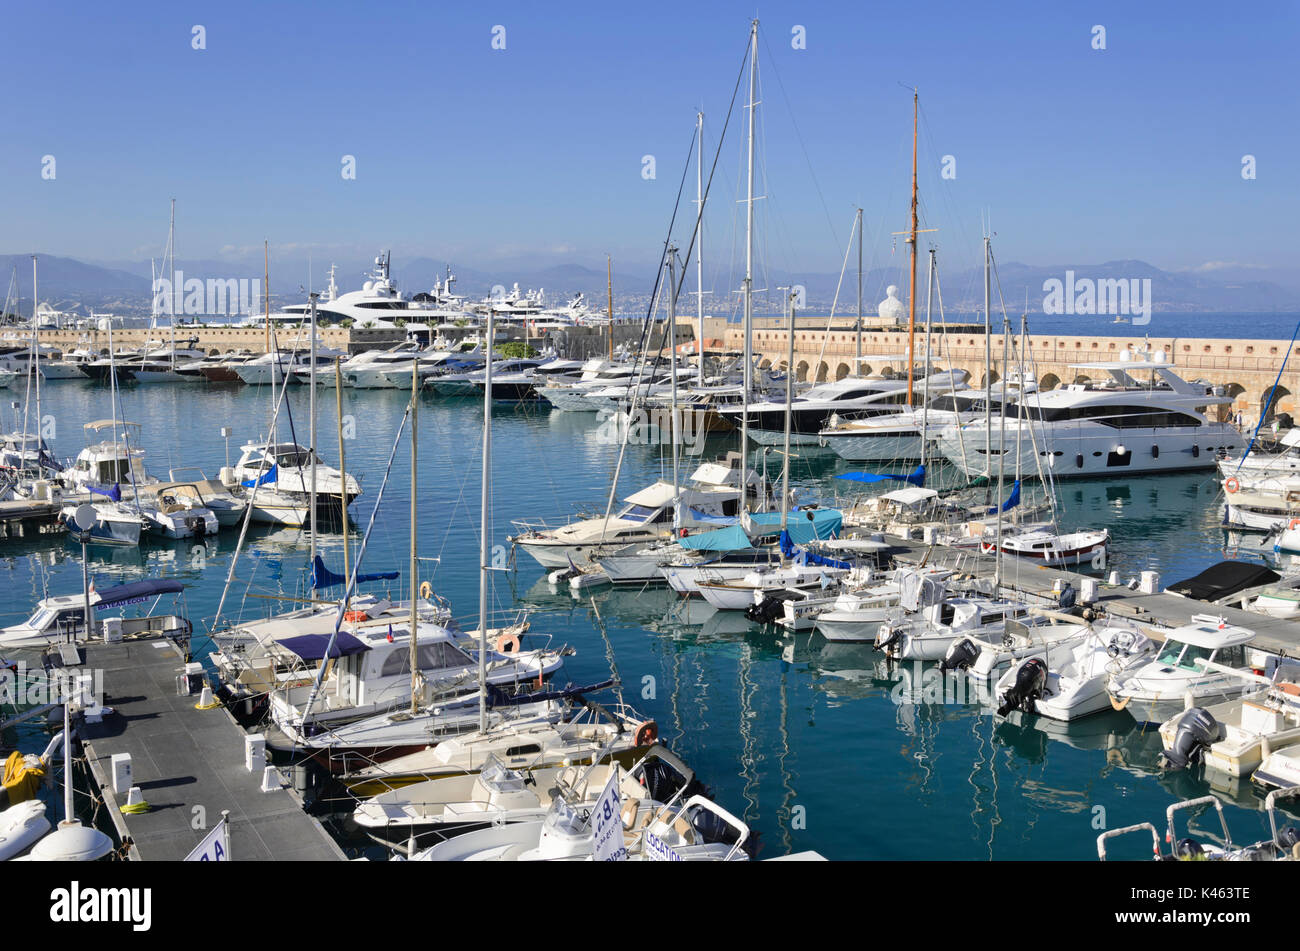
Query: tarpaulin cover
x=804 y=525
x=807 y=557
x=1012 y=500
x=732 y=538
x=1224 y=579
x=269 y=476
x=313 y=646
x=138 y=591
x=113 y=492
x=916 y=477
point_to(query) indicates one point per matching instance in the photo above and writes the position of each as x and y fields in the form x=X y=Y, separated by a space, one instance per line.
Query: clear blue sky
x=534 y=152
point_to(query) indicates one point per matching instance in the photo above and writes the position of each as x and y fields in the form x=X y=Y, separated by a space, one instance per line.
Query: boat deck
x=184 y=759
x=20 y=517
x=1164 y=609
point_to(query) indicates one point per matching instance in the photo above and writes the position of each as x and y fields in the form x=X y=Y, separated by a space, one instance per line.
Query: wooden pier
x=189 y=765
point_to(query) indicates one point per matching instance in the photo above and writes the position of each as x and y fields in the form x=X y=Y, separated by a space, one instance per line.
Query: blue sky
x=534 y=153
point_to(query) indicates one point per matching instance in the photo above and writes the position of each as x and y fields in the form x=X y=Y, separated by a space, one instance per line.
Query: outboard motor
x=765 y=611
x=1287 y=838
x=886 y=635
x=1189 y=850
x=961 y=655
x=1031 y=681
x=1194 y=733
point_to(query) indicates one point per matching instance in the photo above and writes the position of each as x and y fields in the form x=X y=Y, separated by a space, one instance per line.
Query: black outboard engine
x=1189 y=850
x=1031 y=681
x=1194 y=733
x=885 y=636
x=1287 y=838
x=960 y=656
x=766 y=611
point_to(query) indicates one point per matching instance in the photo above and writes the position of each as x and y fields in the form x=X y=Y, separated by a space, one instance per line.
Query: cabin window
x=525 y=750
x=946 y=614
x=1192 y=655
x=1234 y=656
x=1169 y=653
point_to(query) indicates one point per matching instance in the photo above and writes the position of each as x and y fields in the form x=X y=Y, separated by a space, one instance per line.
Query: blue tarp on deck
x=313 y=646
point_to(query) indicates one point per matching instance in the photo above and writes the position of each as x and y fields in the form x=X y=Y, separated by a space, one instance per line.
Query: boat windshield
x=564 y=818
x=41 y=618
x=638 y=513
x=1184 y=656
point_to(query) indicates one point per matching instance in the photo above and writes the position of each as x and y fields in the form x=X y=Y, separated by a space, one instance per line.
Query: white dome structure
x=892 y=310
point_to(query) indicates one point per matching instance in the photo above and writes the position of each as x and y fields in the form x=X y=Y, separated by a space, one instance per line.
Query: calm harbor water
x=813 y=744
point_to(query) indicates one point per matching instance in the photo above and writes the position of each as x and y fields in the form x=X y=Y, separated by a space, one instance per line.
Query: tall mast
x=789 y=396
x=858 y=366
x=749 y=255
x=171 y=250
x=36 y=370
x=415 y=471
x=911 y=240
x=988 y=358
x=311 y=437
x=485 y=532
x=925 y=404
x=343 y=471
x=266 y=291
x=609 y=279
x=699 y=247
x=672 y=364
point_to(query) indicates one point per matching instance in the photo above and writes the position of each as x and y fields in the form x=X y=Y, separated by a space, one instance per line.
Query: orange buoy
x=1232 y=485
x=356 y=616
x=507 y=644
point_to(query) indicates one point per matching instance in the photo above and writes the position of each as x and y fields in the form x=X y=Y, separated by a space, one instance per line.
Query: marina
x=713 y=475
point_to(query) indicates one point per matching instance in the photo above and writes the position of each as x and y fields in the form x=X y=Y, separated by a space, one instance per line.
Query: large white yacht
x=851 y=397
x=1158 y=423
x=285 y=468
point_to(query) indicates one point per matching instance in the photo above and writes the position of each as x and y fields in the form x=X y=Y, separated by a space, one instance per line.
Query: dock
x=1162 y=609
x=189 y=764
x=21 y=517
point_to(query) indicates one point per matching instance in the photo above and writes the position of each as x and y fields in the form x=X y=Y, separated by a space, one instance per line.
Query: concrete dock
x=189 y=764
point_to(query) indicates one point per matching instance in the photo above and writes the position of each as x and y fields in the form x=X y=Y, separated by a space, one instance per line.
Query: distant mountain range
x=123 y=287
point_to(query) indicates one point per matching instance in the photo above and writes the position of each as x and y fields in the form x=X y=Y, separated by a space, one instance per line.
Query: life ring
x=508 y=644
x=988 y=548
x=1295 y=523
x=426 y=590
x=647 y=733
x=356 y=616
x=1231 y=484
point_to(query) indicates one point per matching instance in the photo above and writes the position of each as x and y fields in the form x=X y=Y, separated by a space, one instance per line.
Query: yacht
x=849 y=398
x=1122 y=425
x=62 y=617
x=898 y=436
x=115 y=461
x=291 y=467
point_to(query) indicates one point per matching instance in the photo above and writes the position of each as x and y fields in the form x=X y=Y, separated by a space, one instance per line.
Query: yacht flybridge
x=1125 y=425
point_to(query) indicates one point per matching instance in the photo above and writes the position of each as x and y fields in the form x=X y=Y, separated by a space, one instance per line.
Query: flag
x=390 y=633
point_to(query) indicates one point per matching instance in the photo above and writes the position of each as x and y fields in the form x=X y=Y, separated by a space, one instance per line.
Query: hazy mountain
x=123 y=286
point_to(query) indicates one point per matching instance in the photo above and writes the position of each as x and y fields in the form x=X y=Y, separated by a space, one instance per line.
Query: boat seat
x=1290 y=689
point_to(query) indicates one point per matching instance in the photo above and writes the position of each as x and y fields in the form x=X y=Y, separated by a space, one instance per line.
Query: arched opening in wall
x=801 y=370
x=1050 y=381
x=764 y=364
x=841 y=371
x=1271 y=404
x=864 y=369
x=1229 y=412
x=989 y=379
x=1081 y=379
x=823 y=369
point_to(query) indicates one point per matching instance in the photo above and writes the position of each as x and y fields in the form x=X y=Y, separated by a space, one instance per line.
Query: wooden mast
x=911 y=240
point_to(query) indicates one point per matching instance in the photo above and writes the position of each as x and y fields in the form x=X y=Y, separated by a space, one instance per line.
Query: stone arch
x=1270 y=402
x=801 y=370
x=823 y=368
x=841 y=371
x=1082 y=378
x=1050 y=381
x=764 y=364
x=989 y=379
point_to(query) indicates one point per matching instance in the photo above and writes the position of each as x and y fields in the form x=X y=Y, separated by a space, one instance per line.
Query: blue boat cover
x=731 y=538
x=322 y=577
x=804 y=525
x=138 y=591
x=1012 y=500
x=807 y=557
x=112 y=492
x=313 y=646
x=269 y=475
x=916 y=477
x=713 y=519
